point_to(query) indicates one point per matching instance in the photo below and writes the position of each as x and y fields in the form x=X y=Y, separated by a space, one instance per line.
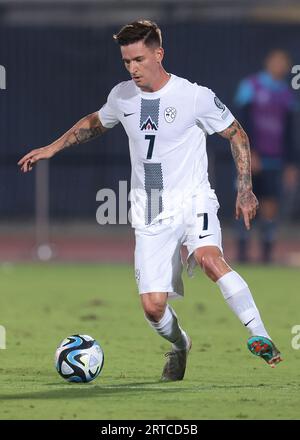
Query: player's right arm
x=84 y=130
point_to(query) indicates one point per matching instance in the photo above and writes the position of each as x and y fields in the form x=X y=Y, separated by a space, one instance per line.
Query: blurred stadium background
x=61 y=62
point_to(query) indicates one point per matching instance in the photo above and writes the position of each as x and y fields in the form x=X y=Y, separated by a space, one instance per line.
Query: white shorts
x=158 y=259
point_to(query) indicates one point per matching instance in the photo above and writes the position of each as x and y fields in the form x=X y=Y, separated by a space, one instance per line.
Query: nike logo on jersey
x=203 y=236
x=128 y=114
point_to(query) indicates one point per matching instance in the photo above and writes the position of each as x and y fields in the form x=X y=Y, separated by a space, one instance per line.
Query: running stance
x=167 y=119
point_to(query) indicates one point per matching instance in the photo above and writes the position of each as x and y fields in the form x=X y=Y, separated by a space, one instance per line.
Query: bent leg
x=154 y=305
x=163 y=319
x=211 y=261
x=233 y=287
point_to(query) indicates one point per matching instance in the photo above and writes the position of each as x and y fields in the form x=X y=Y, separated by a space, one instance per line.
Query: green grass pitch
x=42 y=304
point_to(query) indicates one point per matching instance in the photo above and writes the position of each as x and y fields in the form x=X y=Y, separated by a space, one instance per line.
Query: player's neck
x=158 y=83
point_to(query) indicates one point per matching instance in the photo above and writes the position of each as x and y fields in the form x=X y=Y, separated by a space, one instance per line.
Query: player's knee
x=214 y=266
x=154 y=310
x=209 y=264
x=154 y=313
x=205 y=257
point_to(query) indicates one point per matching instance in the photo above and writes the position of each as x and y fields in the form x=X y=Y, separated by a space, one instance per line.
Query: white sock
x=238 y=296
x=169 y=329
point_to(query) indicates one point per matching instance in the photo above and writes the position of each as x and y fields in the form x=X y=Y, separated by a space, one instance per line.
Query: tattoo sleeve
x=86 y=129
x=240 y=149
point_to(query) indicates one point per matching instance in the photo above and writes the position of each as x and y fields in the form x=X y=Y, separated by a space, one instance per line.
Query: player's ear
x=159 y=54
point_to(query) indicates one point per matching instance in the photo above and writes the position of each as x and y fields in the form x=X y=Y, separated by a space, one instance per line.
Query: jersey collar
x=158 y=93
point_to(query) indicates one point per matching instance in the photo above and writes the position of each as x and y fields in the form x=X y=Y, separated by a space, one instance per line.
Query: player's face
x=143 y=63
x=278 y=65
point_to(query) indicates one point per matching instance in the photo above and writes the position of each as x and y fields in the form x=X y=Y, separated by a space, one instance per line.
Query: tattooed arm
x=84 y=130
x=246 y=202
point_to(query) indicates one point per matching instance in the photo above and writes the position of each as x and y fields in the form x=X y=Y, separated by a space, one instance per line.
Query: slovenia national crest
x=170 y=114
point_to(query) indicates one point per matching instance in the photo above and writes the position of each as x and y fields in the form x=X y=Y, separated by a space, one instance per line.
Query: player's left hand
x=246 y=206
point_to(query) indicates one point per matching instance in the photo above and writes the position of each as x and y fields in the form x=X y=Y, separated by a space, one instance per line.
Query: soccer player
x=266 y=105
x=167 y=119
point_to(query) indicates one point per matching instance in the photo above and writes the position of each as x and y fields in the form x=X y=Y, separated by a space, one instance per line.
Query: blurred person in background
x=266 y=109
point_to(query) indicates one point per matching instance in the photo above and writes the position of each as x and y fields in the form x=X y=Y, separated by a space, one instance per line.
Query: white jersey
x=167 y=132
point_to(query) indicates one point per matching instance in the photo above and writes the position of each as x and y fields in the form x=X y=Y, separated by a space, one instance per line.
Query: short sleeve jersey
x=167 y=132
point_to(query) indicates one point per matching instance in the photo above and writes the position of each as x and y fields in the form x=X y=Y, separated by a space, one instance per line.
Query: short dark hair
x=141 y=30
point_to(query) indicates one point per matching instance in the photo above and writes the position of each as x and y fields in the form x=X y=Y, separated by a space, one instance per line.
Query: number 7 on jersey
x=151 y=139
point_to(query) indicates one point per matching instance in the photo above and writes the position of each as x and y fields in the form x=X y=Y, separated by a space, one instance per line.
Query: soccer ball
x=79 y=358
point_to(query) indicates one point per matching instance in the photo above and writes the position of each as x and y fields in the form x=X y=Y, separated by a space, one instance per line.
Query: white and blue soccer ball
x=79 y=358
